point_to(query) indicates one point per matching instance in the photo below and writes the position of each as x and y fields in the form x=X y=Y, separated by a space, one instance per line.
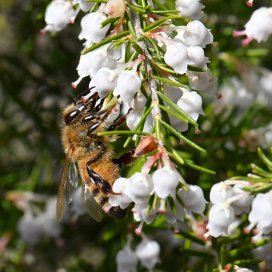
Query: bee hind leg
x=102 y=184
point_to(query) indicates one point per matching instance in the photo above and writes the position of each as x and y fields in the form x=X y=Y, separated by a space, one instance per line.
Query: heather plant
x=197 y=103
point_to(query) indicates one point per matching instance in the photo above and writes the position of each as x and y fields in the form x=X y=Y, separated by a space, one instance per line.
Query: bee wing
x=73 y=175
x=91 y=206
x=67 y=185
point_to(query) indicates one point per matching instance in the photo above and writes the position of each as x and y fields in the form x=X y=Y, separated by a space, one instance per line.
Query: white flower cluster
x=33 y=228
x=187 y=49
x=36 y=225
x=163 y=191
x=229 y=201
x=258 y=27
x=242 y=93
x=106 y=66
x=147 y=252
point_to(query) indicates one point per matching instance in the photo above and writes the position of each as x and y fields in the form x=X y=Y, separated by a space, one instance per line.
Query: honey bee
x=88 y=157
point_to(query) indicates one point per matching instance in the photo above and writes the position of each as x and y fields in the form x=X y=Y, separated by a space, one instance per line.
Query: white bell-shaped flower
x=48 y=219
x=136 y=113
x=221 y=192
x=91 y=29
x=29 y=229
x=91 y=62
x=259 y=24
x=83 y=5
x=202 y=81
x=241 y=269
x=190 y=8
x=139 y=187
x=165 y=182
x=148 y=253
x=243 y=203
x=141 y=212
x=197 y=56
x=193 y=199
x=104 y=81
x=122 y=200
x=172 y=216
x=220 y=218
x=176 y=56
x=261 y=212
x=191 y=103
x=126 y=260
x=258 y=27
x=194 y=34
x=58 y=14
x=128 y=84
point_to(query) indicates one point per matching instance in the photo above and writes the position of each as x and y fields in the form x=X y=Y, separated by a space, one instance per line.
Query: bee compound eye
x=71 y=116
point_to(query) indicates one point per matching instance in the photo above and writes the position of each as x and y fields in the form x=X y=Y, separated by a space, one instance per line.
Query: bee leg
x=99 y=106
x=85 y=93
x=102 y=184
x=125 y=159
x=119 y=121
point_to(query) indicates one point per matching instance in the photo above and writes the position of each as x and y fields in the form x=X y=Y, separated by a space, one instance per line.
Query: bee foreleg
x=119 y=121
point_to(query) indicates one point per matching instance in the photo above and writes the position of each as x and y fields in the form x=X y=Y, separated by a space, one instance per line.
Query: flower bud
x=147 y=144
x=115 y=8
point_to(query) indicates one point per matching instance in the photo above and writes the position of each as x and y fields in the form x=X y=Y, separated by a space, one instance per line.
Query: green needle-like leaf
x=106 y=41
x=177 y=108
x=186 y=140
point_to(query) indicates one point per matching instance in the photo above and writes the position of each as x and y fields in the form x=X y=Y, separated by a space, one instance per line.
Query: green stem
x=123 y=132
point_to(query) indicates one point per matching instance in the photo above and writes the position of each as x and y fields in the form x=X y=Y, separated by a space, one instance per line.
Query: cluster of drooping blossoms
x=110 y=72
x=147 y=252
x=258 y=27
x=230 y=201
x=163 y=191
x=38 y=224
